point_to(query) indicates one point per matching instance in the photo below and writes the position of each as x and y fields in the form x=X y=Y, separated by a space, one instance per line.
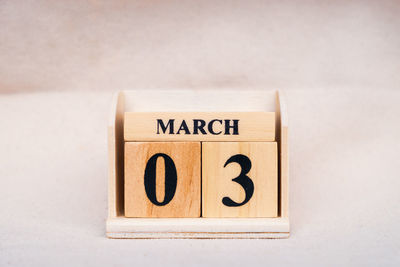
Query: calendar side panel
x=283 y=167
x=115 y=157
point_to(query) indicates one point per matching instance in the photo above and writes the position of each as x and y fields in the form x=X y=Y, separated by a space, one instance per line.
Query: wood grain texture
x=186 y=200
x=217 y=180
x=252 y=126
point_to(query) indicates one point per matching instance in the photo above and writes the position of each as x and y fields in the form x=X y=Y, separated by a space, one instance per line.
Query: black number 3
x=242 y=179
x=150 y=179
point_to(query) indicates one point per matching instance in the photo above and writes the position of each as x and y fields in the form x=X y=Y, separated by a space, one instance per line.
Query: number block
x=162 y=179
x=239 y=179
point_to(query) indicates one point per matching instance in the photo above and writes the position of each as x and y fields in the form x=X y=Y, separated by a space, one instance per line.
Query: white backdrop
x=103 y=45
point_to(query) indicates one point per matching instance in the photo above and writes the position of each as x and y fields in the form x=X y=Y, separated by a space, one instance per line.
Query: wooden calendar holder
x=119 y=226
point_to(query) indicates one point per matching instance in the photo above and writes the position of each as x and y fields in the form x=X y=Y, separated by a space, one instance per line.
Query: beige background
x=104 y=45
x=338 y=60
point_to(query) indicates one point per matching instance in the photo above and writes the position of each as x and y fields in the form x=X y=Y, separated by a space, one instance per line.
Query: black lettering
x=242 y=179
x=183 y=127
x=150 y=179
x=235 y=127
x=211 y=129
x=164 y=128
x=199 y=125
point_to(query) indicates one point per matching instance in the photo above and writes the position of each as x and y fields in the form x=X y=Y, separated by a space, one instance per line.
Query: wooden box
x=119 y=226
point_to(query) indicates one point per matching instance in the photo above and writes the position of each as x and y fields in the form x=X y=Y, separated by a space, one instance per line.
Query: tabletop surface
x=344 y=186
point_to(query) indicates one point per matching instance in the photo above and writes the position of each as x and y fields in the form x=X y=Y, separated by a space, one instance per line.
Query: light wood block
x=162 y=179
x=239 y=179
x=199 y=126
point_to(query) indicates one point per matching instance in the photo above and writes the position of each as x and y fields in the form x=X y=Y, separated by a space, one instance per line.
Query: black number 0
x=242 y=179
x=150 y=179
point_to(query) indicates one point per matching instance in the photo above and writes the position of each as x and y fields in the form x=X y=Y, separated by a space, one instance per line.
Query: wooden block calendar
x=198 y=164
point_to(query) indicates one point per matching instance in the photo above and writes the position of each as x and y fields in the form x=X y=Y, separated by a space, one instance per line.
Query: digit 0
x=150 y=179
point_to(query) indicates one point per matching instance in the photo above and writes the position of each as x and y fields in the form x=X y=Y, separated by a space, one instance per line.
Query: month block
x=239 y=179
x=162 y=179
x=199 y=126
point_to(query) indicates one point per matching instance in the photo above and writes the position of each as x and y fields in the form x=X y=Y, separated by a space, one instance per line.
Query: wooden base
x=200 y=228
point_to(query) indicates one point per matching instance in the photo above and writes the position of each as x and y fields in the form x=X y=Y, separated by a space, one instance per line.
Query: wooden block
x=239 y=179
x=162 y=179
x=199 y=126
